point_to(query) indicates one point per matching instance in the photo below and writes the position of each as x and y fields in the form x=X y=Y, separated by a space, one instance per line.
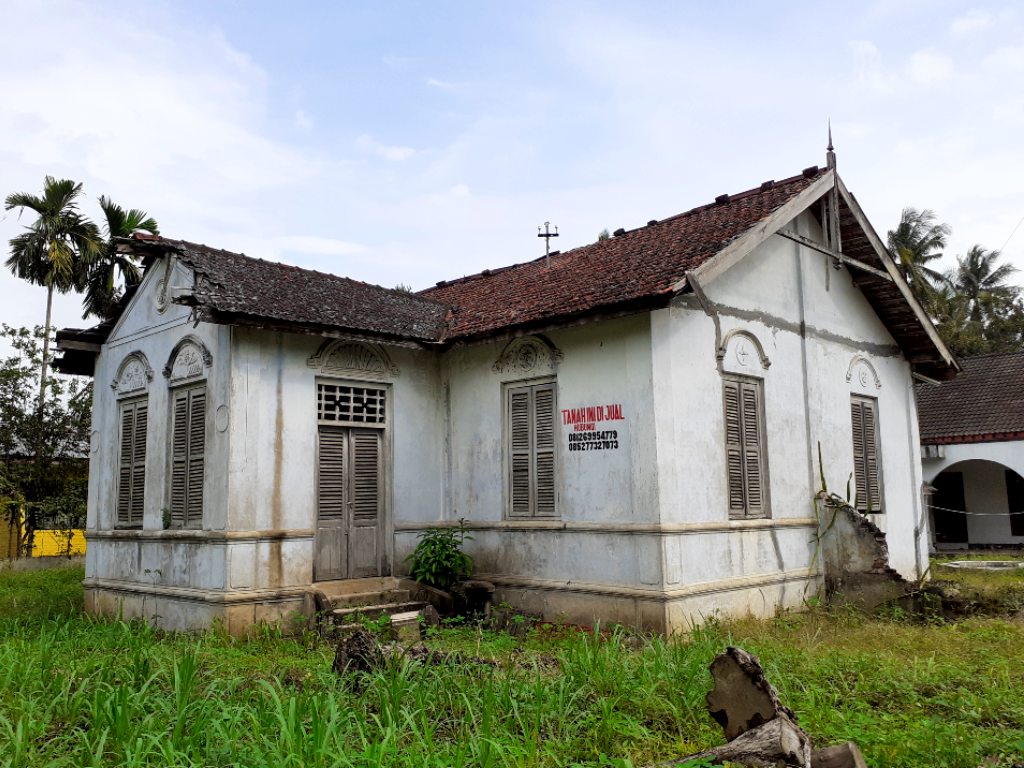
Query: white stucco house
x=630 y=429
x=972 y=436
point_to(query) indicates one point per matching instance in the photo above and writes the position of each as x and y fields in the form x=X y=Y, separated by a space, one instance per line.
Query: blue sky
x=411 y=142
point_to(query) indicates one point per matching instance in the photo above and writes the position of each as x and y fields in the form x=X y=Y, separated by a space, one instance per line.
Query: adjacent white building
x=972 y=435
x=631 y=429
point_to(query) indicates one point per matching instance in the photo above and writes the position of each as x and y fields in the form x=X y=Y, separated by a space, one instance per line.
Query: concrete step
x=379 y=597
x=348 y=614
x=343 y=587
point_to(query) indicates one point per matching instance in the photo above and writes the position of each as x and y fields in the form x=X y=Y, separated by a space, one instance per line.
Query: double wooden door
x=350 y=488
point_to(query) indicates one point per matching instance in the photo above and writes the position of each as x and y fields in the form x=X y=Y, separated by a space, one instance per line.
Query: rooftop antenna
x=547 y=234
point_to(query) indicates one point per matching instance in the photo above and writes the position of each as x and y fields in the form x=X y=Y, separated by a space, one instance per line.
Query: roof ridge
x=561 y=256
x=306 y=270
x=984 y=355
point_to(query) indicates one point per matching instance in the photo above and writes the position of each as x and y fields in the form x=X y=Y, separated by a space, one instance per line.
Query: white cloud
x=459 y=190
x=928 y=67
x=156 y=115
x=303 y=121
x=368 y=144
x=320 y=246
x=1006 y=60
x=867 y=62
x=444 y=84
x=970 y=23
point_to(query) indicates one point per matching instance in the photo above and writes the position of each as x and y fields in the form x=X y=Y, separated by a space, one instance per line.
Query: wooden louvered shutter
x=331 y=557
x=179 y=460
x=331 y=469
x=734 y=447
x=138 y=478
x=864 y=419
x=196 y=456
x=752 y=451
x=124 y=483
x=366 y=502
x=544 y=449
x=746 y=475
x=519 y=451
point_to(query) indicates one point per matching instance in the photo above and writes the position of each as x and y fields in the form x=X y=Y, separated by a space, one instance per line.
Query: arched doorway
x=977 y=502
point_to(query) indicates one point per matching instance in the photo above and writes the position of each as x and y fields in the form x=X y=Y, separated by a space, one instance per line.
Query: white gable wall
x=167 y=564
x=713 y=563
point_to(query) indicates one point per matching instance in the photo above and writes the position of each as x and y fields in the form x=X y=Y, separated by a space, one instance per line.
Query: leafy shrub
x=438 y=560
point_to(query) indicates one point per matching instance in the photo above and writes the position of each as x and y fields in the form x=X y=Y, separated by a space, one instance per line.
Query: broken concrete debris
x=761 y=730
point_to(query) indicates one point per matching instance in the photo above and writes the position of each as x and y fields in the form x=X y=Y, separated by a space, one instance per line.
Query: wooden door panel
x=365 y=522
x=330 y=560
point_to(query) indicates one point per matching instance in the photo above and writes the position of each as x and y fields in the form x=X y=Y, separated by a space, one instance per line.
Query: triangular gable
x=862 y=251
x=146 y=309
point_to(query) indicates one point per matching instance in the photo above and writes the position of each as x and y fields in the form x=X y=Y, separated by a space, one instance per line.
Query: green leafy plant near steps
x=438 y=560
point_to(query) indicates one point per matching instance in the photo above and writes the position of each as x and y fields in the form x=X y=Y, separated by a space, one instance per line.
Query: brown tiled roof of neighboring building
x=629 y=268
x=236 y=286
x=984 y=403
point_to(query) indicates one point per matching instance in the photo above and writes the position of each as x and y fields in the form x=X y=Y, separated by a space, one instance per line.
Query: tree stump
x=742 y=697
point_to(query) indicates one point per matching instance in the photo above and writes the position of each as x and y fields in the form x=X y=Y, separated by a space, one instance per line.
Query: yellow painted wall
x=45 y=543
x=50 y=543
x=8 y=539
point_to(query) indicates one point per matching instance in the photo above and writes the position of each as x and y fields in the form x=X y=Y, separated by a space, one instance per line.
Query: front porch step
x=349 y=613
x=355 y=599
x=343 y=587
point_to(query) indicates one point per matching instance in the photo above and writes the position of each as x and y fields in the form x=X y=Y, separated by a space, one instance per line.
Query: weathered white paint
x=642 y=533
x=983 y=466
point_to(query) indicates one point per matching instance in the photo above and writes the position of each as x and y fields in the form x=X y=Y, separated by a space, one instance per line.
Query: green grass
x=76 y=691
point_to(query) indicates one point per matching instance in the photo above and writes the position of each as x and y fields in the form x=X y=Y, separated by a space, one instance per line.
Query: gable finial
x=830 y=154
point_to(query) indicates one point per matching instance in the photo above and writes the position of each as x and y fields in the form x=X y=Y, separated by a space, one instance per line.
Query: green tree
x=55 y=251
x=917 y=241
x=982 y=282
x=975 y=310
x=42 y=451
x=102 y=291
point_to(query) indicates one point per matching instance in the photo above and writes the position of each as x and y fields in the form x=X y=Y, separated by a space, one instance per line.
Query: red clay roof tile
x=638 y=265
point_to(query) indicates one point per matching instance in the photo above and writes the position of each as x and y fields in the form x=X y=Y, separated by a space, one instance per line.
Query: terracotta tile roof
x=629 y=268
x=238 y=286
x=985 y=402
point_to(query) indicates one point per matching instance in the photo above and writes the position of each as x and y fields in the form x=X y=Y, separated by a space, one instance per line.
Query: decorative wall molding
x=133 y=375
x=188 y=360
x=342 y=356
x=528 y=354
x=741 y=351
x=862 y=373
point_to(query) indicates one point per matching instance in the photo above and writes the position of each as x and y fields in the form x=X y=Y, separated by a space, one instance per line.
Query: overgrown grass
x=74 y=691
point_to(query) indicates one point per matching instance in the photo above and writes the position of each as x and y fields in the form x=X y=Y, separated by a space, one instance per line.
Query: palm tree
x=56 y=250
x=916 y=241
x=981 y=282
x=101 y=290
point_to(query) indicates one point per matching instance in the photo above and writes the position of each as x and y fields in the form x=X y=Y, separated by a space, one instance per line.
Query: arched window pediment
x=188 y=360
x=862 y=373
x=133 y=375
x=528 y=355
x=340 y=356
x=741 y=352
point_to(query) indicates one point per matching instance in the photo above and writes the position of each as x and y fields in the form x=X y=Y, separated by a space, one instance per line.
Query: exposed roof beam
x=840 y=257
x=897 y=278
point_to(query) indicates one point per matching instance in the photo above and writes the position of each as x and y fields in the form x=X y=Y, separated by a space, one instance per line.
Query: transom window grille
x=344 y=404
